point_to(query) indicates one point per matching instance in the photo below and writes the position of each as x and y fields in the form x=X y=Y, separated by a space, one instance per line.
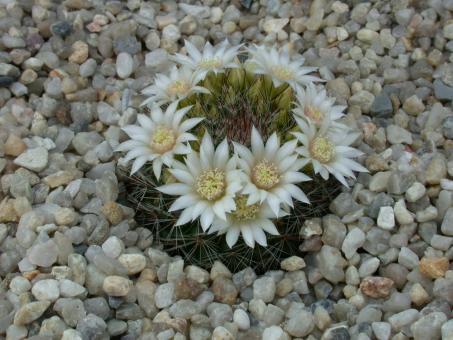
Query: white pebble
x=241 y=318
x=386 y=218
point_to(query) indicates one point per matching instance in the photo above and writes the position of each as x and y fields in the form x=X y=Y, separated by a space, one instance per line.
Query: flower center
x=210 y=63
x=282 y=72
x=162 y=140
x=265 y=175
x=314 y=114
x=243 y=211
x=322 y=149
x=178 y=87
x=211 y=184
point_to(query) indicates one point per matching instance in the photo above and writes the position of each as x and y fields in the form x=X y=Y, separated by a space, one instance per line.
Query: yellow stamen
x=314 y=114
x=162 y=140
x=211 y=184
x=322 y=149
x=282 y=72
x=265 y=175
x=243 y=211
x=179 y=87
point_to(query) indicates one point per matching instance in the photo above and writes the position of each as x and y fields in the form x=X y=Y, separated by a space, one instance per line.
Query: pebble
x=134 y=263
x=353 y=241
x=399 y=320
x=386 y=218
x=47 y=289
x=35 y=159
x=116 y=285
x=293 y=263
x=124 y=65
x=30 y=312
x=264 y=289
x=242 y=320
x=376 y=286
x=433 y=267
x=300 y=325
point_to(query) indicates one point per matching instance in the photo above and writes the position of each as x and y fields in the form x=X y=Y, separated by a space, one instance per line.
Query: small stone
x=80 y=52
x=164 y=295
x=14 y=146
x=434 y=267
x=448 y=31
x=415 y=192
x=19 y=285
x=381 y=330
x=376 y=286
x=403 y=216
x=71 y=334
x=92 y=327
x=408 y=258
x=43 y=254
x=35 y=159
x=184 y=309
x=301 y=324
x=59 y=178
x=447 y=223
x=275 y=333
x=428 y=326
x=113 y=247
x=436 y=170
x=116 y=285
x=442 y=91
x=413 y=105
x=241 y=319
x=221 y=333
x=134 y=263
x=418 y=294
x=293 y=263
x=113 y=212
x=224 y=290
x=274 y=25
x=386 y=218
x=46 y=290
x=399 y=320
x=447 y=330
x=124 y=65
x=367 y=35
x=398 y=135
x=382 y=105
x=69 y=289
x=264 y=289
x=30 y=312
x=353 y=241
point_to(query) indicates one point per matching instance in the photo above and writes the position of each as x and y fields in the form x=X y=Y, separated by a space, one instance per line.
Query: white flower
x=181 y=83
x=250 y=220
x=314 y=104
x=280 y=67
x=158 y=138
x=270 y=172
x=215 y=59
x=207 y=183
x=328 y=152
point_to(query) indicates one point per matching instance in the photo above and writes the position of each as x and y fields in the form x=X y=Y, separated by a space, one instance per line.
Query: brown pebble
x=376 y=286
x=14 y=146
x=433 y=267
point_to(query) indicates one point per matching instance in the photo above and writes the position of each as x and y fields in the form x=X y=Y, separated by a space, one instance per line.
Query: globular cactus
x=287 y=139
x=238 y=101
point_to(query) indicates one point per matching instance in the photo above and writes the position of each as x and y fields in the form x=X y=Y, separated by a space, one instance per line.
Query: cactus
x=238 y=101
